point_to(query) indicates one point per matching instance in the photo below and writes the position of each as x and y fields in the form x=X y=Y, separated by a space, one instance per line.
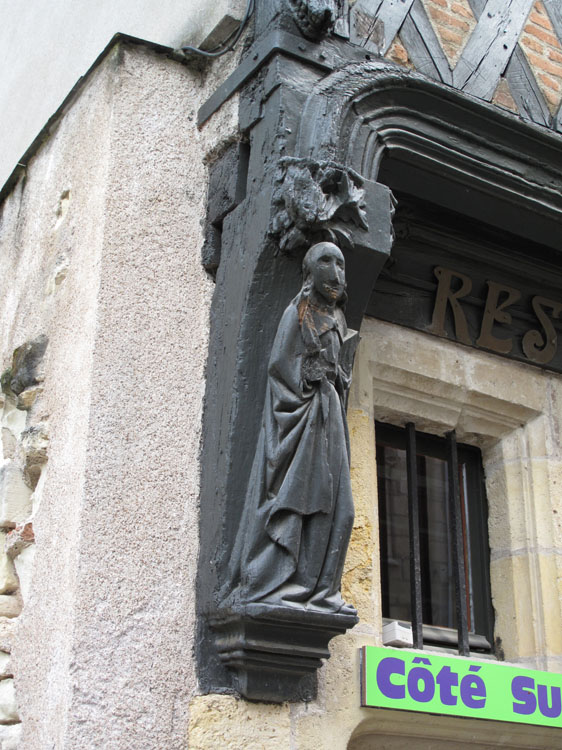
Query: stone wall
x=23 y=458
x=100 y=247
x=512 y=412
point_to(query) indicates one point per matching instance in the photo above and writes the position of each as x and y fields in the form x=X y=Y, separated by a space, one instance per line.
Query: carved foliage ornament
x=314 y=17
x=313 y=201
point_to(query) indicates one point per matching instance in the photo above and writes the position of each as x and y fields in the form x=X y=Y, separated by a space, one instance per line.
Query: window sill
x=398 y=633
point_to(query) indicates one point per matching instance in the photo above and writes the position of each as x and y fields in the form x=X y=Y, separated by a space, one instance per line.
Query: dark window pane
x=393 y=530
x=438 y=589
x=436 y=547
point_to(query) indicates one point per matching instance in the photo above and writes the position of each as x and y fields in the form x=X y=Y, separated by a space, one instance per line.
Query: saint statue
x=298 y=512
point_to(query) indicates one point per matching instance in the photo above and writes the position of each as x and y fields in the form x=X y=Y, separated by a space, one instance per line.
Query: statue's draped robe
x=299 y=508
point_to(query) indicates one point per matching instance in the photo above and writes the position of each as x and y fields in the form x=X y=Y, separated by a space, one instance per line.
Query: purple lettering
x=423 y=675
x=551 y=711
x=473 y=690
x=388 y=667
x=446 y=679
x=521 y=688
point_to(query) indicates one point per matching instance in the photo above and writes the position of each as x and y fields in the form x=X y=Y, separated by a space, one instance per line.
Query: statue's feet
x=333 y=604
x=296 y=597
x=289 y=595
x=347 y=609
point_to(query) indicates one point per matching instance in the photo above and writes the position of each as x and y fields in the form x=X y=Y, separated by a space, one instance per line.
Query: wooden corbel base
x=275 y=651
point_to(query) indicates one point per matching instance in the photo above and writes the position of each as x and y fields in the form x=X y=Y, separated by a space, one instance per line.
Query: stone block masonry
x=23 y=456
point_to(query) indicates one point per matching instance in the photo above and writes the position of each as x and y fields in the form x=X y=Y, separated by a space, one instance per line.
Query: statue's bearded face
x=326 y=267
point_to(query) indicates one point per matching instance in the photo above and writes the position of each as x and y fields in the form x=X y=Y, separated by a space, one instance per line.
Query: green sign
x=455 y=686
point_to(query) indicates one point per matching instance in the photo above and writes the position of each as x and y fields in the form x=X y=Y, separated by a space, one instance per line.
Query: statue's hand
x=312 y=370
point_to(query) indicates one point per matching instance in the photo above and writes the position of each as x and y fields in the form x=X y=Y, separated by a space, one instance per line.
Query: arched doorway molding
x=445 y=146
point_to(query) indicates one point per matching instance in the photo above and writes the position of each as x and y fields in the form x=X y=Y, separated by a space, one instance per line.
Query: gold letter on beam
x=540 y=346
x=445 y=294
x=495 y=313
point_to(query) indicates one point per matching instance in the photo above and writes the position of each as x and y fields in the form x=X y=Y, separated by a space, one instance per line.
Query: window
x=433 y=538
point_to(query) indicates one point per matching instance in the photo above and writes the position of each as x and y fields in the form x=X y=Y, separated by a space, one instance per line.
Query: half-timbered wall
x=505 y=51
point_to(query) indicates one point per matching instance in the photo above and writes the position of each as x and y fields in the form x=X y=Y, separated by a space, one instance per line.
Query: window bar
x=458 y=547
x=414 y=537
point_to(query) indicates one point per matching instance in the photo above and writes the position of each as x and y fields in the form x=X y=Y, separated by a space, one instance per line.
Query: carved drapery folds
x=276 y=595
x=316 y=200
x=262 y=637
x=365 y=123
x=287 y=561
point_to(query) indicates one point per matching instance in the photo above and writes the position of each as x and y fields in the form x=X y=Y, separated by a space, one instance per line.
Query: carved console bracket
x=275 y=651
x=316 y=200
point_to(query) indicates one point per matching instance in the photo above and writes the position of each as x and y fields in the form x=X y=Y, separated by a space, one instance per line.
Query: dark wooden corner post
x=274 y=534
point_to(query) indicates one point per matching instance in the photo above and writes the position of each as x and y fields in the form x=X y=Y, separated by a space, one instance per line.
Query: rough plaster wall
x=33 y=241
x=45 y=47
x=103 y=657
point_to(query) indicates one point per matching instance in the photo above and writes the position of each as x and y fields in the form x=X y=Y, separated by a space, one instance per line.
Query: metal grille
x=465 y=514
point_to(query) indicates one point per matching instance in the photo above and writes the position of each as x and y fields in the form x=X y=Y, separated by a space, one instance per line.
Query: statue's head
x=323 y=270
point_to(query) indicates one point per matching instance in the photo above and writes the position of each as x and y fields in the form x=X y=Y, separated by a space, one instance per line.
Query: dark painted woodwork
x=227 y=189
x=298 y=510
x=523 y=85
x=375 y=23
x=525 y=90
x=458 y=279
x=554 y=11
x=329 y=103
x=326 y=57
x=274 y=651
x=491 y=52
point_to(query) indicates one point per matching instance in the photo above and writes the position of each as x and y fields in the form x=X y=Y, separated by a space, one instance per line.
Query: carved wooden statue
x=299 y=508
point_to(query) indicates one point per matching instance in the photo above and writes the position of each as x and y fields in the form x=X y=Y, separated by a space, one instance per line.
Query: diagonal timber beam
x=491 y=46
x=525 y=90
x=375 y=23
x=523 y=85
x=423 y=46
x=554 y=11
